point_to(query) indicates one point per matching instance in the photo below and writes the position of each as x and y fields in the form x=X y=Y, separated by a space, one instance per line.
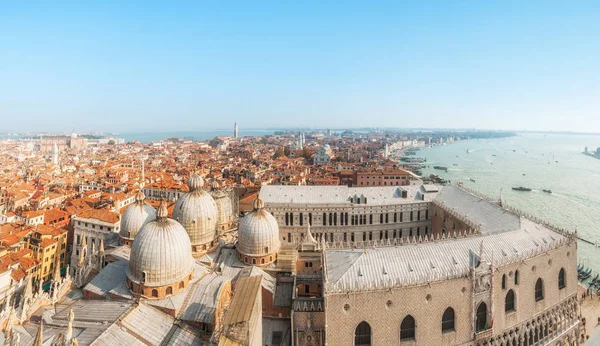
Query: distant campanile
x=235 y=130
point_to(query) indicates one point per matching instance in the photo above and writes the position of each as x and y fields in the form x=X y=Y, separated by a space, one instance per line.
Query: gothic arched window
x=539 y=290
x=504 y=281
x=362 y=334
x=561 y=279
x=509 y=301
x=516 y=277
x=448 y=320
x=481 y=321
x=407 y=328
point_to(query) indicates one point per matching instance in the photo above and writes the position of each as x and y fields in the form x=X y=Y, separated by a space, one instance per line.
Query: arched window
x=516 y=277
x=448 y=320
x=155 y=293
x=181 y=284
x=254 y=261
x=169 y=290
x=407 y=328
x=539 y=290
x=362 y=334
x=481 y=322
x=291 y=219
x=287 y=219
x=561 y=279
x=509 y=301
x=504 y=281
x=380 y=218
x=262 y=261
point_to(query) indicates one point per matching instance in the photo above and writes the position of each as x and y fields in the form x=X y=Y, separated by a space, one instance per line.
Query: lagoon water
x=539 y=162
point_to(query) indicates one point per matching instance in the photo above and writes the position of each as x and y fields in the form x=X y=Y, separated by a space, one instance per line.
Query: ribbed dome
x=258 y=233
x=136 y=216
x=195 y=182
x=161 y=253
x=197 y=212
x=224 y=206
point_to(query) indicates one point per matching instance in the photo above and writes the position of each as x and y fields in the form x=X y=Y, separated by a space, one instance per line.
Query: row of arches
x=363 y=334
x=344 y=219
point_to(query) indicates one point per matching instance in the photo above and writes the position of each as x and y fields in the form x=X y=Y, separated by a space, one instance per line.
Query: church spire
x=69 y=331
x=56 y=276
x=39 y=337
x=28 y=292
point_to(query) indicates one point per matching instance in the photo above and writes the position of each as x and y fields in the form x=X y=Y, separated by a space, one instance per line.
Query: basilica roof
x=258 y=232
x=136 y=216
x=197 y=212
x=161 y=253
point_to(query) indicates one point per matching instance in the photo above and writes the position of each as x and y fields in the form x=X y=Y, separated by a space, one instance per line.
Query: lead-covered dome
x=161 y=253
x=197 y=212
x=258 y=233
x=135 y=217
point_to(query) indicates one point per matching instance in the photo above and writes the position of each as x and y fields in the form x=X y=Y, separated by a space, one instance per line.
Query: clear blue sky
x=205 y=64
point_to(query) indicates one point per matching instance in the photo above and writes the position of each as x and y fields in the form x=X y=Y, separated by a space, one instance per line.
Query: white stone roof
x=204 y=299
x=490 y=217
x=341 y=195
x=415 y=264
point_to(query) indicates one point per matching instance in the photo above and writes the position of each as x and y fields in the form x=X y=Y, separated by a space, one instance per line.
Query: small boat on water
x=443 y=168
x=547 y=190
x=469 y=150
x=471 y=179
x=524 y=174
x=493 y=154
x=521 y=188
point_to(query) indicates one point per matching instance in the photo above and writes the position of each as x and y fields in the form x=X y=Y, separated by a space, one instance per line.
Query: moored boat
x=521 y=188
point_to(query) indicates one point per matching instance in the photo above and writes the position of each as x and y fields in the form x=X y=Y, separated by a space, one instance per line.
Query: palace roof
x=426 y=261
x=339 y=195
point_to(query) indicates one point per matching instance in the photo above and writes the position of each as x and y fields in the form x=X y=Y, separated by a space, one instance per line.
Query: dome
x=197 y=212
x=225 y=208
x=161 y=253
x=258 y=233
x=136 y=216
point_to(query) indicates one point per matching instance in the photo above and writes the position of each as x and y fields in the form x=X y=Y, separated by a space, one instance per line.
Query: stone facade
x=353 y=223
x=546 y=321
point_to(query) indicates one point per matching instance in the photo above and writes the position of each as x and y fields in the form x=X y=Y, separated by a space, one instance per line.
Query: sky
x=123 y=66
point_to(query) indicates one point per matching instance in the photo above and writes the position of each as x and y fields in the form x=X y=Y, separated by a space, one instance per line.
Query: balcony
x=484 y=334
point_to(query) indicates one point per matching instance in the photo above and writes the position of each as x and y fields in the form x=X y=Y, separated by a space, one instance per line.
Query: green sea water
x=537 y=161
